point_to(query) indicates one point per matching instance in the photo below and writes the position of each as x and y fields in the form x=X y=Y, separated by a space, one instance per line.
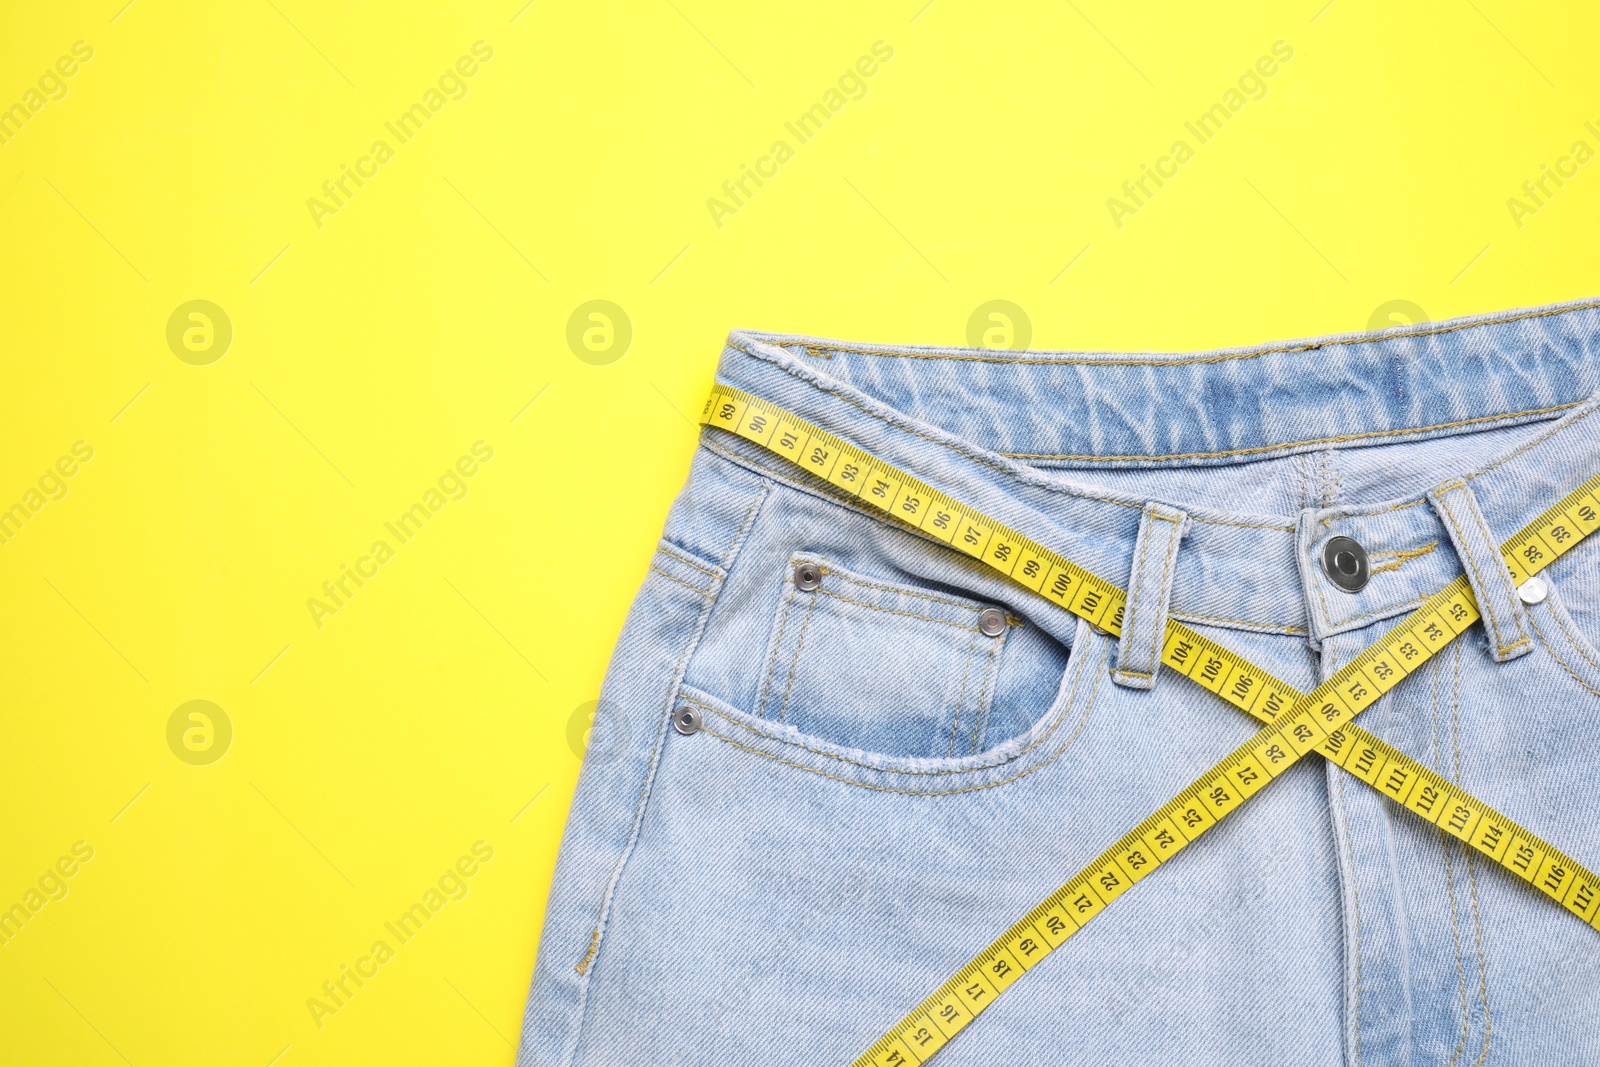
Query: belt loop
x=1144 y=619
x=1503 y=617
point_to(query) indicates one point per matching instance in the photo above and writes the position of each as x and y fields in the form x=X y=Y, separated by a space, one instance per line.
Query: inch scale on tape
x=1297 y=723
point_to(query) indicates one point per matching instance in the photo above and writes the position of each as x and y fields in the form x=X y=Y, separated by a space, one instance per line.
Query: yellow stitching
x=1246 y=525
x=893 y=611
x=1355 y=891
x=1132 y=674
x=917 y=792
x=1503 y=579
x=1072 y=696
x=1257 y=449
x=1461 y=970
x=961 y=695
x=1392 y=609
x=964 y=605
x=1368 y=513
x=1274 y=627
x=1472 y=874
x=1307 y=346
x=594 y=945
x=1488 y=609
x=811 y=481
x=827 y=491
x=682 y=557
x=1393 y=561
x=1145 y=532
x=794 y=664
x=582 y=965
x=1166 y=592
x=777 y=650
x=1561 y=661
x=1536 y=441
x=749 y=516
x=1450 y=875
x=985 y=702
x=1574 y=640
x=681 y=582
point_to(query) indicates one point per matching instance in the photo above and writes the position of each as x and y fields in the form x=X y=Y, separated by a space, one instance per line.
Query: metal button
x=1533 y=591
x=807 y=576
x=686 y=720
x=991 y=622
x=1345 y=562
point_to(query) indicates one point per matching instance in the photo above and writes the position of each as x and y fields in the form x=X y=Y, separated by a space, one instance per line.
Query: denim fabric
x=881 y=787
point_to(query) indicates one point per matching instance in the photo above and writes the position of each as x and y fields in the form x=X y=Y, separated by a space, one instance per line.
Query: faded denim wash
x=872 y=761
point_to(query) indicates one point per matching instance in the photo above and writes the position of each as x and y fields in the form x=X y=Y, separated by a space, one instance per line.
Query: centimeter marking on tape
x=1298 y=723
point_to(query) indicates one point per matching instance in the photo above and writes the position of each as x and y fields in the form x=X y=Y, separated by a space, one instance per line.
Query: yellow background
x=434 y=710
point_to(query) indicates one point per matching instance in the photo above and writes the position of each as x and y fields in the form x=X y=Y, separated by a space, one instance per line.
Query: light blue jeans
x=876 y=754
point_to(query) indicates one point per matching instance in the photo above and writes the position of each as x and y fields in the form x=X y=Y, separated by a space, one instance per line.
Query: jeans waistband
x=1270 y=449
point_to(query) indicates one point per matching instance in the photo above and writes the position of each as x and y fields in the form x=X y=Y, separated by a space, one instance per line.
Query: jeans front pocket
x=880 y=666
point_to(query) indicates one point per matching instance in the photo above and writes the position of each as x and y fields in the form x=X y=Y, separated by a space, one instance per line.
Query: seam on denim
x=777 y=650
x=1244 y=525
x=964 y=449
x=1449 y=870
x=596 y=937
x=794 y=664
x=1322 y=597
x=1367 y=513
x=1306 y=346
x=896 y=611
x=1489 y=608
x=849 y=504
x=667 y=548
x=680 y=581
x=1019 y=476
x=1472 y=873
x=1065 y=745
x=980 y=721
x=1269 y=627
x=1355 y=891
x=1498 y=572
x=744 y=525
x=905 y=590
x=1540 y=634
x=1145 y=531
x=1133 y=674
x=1393 y=561
x=1541 y=439
x=961 y=696
x=1166 y=593
x=1392 y=609
x=1371 y=435
x=1061 y=717
x=1575 y=641
x=674 y=681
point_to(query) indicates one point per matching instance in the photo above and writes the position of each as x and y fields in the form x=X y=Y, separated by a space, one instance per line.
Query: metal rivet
x=807 y=576
x=1345 y=563
x=991 y=622
x=686 y=720
x=1533 y=591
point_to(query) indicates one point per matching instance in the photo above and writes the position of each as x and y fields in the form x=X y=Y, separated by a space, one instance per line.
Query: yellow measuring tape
x=1298 y=723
